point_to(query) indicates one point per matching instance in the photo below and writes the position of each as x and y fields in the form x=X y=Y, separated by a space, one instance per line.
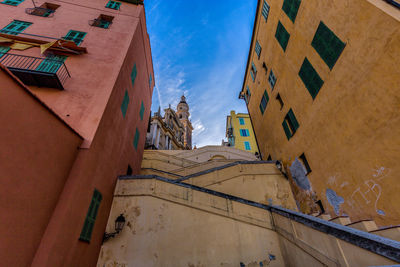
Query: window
x=12 y=2
x=91 y=216
x=241 y=121
x=310 y=78
x=15 y=27
x=272 y=79
x=264 y=102
x=45 y=10
x=247 y=95
x=133 y=74
x=282 y=36
x=244 y=132
x=124 y=105
x=253 y=71
x=290 y=124
x=265 y=68
x=278 y=97
x=258 y=49
x=3 y=50
x=247 y=145
x=291 y=7
x=113 y=5
x=141 y=112
x=150 y=80
x=51 y=64
x=327 y=45
x=265 y=10
x=103 y=21
x=75 y=36
x=269 y=157
x=136 y=139
x=303 y=160
x=129 y=170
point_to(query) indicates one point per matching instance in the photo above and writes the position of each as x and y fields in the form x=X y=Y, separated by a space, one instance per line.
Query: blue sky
x=200 y=49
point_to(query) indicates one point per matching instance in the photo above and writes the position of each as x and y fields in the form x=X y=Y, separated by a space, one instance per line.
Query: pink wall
x=92 y=99
x=34 y=166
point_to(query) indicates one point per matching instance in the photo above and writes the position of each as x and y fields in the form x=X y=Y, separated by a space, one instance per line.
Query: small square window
x=103 y=21
x=113 y=5
x=247 y=145
x=258 y=49
x=290 y=124
x=272 y=79
x=278 y=97
x=75 y=36
x=265 y=10
x=241 y=121
x=12 y=2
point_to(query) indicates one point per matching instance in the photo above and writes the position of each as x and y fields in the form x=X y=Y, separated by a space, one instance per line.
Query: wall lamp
x=119 y=225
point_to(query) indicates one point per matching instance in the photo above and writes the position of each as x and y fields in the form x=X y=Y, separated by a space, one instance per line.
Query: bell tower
x=182 y=110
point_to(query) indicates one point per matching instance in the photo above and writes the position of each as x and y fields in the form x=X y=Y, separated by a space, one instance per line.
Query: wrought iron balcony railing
x=41 y=72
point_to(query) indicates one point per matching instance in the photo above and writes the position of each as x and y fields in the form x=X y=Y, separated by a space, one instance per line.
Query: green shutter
x=51 y=64
x=113 y=5
x=257 y=49
x=291 y=7
x=293 y=120
x=310 y=78
x=12 y=2
x=247 y=132
x=15 y=27
x=91 y=215
x=327 y=45
x=133 y=74
x=136 y=139
x=3 y=50
x=141 y=111
x=282 y=36
x=286 y=129
x=75 y=36
x=265 y=10
x=124 y=105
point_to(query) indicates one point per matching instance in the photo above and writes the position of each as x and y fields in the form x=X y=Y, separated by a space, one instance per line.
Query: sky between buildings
x=200 y=49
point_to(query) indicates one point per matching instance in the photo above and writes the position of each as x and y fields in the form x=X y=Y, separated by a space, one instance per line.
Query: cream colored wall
x=171 y=226
x=350 y=132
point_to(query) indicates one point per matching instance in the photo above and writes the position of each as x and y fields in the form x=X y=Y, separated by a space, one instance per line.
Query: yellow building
x=239 y=132
x=322 y=88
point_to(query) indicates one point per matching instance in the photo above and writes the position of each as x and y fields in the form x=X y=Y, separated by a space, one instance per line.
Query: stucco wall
x=350 y=132
x=34 y=167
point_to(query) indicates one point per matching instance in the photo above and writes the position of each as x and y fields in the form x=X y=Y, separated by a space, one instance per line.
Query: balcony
x=41 y=72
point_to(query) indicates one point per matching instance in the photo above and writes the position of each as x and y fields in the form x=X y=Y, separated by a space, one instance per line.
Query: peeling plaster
x=334 y=200
x=299 y=175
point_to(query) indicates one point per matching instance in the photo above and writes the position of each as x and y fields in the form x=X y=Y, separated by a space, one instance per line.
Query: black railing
x=42 y=72
x=393 y=3
x=40 y=11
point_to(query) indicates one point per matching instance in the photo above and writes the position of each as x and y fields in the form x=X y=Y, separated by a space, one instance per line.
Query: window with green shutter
x=3 y=50
x=241 y=121
x=15 y=27
x=113 y=5
x=124 y=105
x=327 y=45
x=51 y=64
x=136 y=139
x=141 y=112
x=310 y=78
x=291 y=7
x=91 y=216
x=272 y=79
x=282 y=36
x=75 y=36
x=257 y=48
x=133 y=74
x=12 y=2
x=264 y=102
x=253 y=71
x=247 y=95
x=290 y=124
x=265 y=10
x=244 y=132
x=247 y=145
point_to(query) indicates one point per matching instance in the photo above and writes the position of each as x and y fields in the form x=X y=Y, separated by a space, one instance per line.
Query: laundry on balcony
x=42 y=72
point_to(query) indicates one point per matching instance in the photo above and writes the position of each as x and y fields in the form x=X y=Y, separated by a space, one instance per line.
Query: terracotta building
x=171 y=132
x=321 y=86
x=77 y=86
x=239 y=132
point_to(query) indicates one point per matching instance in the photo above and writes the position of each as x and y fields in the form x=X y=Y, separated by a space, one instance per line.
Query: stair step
x=364 y=225
x=325 y=217
x=391 y=232
x=343 y=220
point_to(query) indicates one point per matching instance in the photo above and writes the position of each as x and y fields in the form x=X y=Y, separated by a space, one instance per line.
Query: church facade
x=171 y=132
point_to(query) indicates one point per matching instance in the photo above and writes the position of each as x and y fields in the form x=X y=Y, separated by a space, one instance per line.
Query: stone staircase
x=203 y=210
